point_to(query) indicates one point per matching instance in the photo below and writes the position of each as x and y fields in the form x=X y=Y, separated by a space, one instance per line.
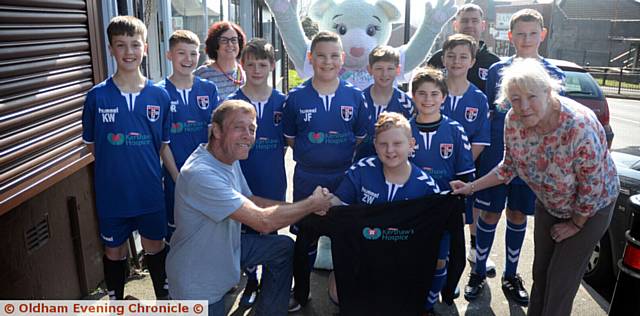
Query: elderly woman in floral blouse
x=558 y=147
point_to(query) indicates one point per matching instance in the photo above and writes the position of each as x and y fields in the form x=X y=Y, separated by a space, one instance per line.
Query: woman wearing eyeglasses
x=223 y=46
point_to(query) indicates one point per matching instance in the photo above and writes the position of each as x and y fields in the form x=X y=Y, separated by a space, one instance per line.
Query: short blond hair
x=389 y=120
x=526 y=74
x=526 y=15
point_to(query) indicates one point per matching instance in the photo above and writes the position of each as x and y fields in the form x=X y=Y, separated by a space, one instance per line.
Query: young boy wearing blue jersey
x=389 y=176
x=442 y=150
x=193 y=99
x=526 y=33
x=264 y=169
x=382 y=95
x=126 y=124
x=467 y=105
x=324 y=119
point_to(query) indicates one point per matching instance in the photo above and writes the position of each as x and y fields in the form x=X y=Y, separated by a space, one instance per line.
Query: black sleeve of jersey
x=467 y=177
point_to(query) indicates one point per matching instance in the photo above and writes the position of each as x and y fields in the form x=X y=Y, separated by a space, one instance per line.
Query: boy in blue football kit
x=264 y=169
x=526 y=33
x=126 y=123
x=442 y=150
x=192 y=101
x=324 y=119
x=382 y=96
x=467 y=105
x=389 y=176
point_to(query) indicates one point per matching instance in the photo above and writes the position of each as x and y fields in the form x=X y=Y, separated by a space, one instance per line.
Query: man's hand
x=321 y=199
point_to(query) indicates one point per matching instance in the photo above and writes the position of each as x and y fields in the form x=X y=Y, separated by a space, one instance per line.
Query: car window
x=579 y=84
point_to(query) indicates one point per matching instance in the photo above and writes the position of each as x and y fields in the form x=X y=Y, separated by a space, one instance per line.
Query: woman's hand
x=460 y=187
x=564 y=230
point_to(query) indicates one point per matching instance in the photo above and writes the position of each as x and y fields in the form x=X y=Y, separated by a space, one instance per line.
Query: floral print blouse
x=569 y=169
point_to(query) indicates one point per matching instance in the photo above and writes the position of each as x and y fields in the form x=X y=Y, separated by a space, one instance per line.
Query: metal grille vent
x=38 y=235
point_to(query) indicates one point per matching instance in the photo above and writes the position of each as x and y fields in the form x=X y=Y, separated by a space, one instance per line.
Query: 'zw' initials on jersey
x=368 y=196
x=108 y=115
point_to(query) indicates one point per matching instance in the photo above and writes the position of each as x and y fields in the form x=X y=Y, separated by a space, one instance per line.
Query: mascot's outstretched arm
x=434 y=19
x=290 y=27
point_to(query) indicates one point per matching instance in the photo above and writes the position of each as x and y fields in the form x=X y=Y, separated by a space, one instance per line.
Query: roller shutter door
x=49 y=59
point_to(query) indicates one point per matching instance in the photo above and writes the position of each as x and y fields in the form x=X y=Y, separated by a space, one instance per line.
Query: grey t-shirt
x=204 y=260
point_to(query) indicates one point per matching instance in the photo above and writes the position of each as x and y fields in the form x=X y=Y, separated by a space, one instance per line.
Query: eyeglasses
x=226 y=40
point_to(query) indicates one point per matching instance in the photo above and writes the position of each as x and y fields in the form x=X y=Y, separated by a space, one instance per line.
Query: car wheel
x=599 y=273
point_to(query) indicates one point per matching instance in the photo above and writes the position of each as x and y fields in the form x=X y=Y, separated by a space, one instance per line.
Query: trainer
x=212 y=200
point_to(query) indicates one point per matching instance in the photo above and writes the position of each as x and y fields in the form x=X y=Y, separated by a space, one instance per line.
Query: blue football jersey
x=127 y=130
x=400 y=102
x=471 y=110
x=264 y=169
x=365 y=184
x=191 y=114
x=444 y=153
x=493 y=154
x=325 y=127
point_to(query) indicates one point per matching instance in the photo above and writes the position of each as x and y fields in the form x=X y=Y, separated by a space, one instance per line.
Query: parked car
x=603 y=265
x=580 y=86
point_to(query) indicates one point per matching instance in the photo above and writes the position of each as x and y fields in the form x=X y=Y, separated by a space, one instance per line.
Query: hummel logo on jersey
x=446 y=150
x=307 y=114
x=277 y=118
x=368 y=196
x=108 y=115
x=471 y=114
x=203 y=101
x=153 y=112
x=483 y=73
x=346 y=112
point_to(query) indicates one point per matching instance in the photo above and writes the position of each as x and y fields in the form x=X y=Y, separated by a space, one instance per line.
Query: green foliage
x=294 y=80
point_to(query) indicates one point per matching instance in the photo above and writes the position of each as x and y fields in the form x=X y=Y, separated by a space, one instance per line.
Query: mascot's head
x=361 y=25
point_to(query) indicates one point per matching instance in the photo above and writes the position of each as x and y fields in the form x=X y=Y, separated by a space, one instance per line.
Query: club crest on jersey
x=483 y=73
x=203 y=101
x=277 y=118
x=446 y=150
x=346 y=112
x=471 y=114
x=153 y=112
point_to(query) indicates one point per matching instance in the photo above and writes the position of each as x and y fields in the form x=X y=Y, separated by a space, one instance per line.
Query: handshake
x=321 y=200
